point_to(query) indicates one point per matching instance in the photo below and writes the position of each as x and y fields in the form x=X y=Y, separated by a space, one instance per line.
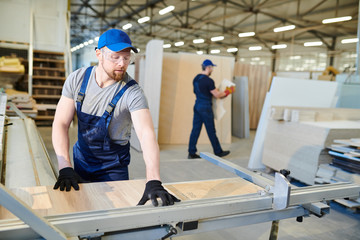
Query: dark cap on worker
x=116 y=40
x=207 y=62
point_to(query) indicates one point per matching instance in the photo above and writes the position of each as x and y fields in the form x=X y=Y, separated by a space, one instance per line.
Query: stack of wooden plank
x=11 y=65
x=23 y=101
x=300 y=146
x=346 y=154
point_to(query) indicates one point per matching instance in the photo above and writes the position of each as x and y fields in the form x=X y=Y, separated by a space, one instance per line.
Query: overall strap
x=110 y=108
x=81 y=94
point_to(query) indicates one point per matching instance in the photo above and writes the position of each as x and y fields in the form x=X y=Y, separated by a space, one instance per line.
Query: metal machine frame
x=183 y=218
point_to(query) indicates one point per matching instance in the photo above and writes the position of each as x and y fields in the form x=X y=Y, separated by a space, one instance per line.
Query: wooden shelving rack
x=48 y=79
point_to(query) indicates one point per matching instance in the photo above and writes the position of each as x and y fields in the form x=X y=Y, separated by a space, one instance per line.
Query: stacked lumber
x=346 y=154
x=297 y=141
x=11 y=65
x=23 y=101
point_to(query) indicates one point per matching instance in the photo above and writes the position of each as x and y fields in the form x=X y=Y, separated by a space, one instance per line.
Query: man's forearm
x=60 y=139
x=151 y=156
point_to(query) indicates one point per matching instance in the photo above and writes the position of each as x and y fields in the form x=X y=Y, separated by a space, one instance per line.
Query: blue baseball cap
x=207 y=62
x=116 y=40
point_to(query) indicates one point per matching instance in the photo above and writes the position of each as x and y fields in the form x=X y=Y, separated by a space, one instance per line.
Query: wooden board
x=120 y=194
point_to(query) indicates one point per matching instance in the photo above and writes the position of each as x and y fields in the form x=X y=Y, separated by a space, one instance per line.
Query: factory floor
x=340 y=223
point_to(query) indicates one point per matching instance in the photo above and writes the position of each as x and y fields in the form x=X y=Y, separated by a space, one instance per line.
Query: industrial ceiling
x=205 y=19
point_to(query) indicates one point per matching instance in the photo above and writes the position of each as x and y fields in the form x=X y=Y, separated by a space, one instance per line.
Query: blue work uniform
x=203 y=113
x=96 y=157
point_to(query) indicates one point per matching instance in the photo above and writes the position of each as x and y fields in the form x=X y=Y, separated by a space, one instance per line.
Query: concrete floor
x=341 y=223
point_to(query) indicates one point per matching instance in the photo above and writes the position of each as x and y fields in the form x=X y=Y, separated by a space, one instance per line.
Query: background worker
x=107 y=102
x=204 y=89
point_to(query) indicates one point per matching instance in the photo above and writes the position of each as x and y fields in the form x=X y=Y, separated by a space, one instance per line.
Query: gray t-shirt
x=96 y=100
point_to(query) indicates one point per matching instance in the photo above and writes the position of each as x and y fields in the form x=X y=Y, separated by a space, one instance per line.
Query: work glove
x=153 y=190
x=67 y=178
x=229 y=90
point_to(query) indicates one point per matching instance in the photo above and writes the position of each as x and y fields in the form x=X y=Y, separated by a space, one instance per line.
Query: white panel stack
x=290 y=92
x=301 y=146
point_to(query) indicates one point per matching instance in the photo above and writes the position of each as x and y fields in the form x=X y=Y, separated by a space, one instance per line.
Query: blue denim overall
x=96 y=157
x=203 y=113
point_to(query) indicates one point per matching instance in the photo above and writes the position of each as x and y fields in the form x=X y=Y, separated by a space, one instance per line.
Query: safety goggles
x=118 y=57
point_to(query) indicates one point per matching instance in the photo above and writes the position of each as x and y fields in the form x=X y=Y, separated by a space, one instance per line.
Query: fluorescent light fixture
x=143 y=19
x=242 y=59
x=81 y=45
x=199 y=52
x=262 y=63
x=178 y=44
x=279 y=46
x=246 y=34
x=218 y=38
x=232 y=50
x=312 y=44
x=349 y=40
x=215 y=51
x=338 y=19
x=127 y=26
x=255 y=48
x=255 y=59
x=167 y=45
x=199 y=40
x=295 y=58
x=86 y=43
x=90 y=41
x=166 y=10
x=284 y=28
x=96 y=39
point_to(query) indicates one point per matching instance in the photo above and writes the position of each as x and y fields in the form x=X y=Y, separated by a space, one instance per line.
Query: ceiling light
x=90 y=41
x=230 y=50
x=167 y=45
x=279 y=46
x=295 y=57
x=199 y=52
x=284 y=28
x=178 y=44
x=246 y=34
x=166 y=10
x=255 y=59
x=127 y=26
x=215 y=51
x=144 y=19
x=350 y=40
x=199 y=40
x=86 y=43
x=218 y=38
x=312 y=44
x=81 y=45
x=96 y=39
x=255 y=48
x=338 y=19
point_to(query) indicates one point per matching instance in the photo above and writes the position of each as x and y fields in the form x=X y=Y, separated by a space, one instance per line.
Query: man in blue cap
x=204 y=89
x=107 y=102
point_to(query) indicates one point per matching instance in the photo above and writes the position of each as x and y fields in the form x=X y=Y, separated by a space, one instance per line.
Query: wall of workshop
x=49 y=23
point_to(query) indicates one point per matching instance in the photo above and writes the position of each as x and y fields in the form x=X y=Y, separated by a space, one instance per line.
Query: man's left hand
x=154 y=190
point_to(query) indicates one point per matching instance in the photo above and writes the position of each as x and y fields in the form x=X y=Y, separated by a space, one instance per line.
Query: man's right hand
x=229 y=90
x=67 y=178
